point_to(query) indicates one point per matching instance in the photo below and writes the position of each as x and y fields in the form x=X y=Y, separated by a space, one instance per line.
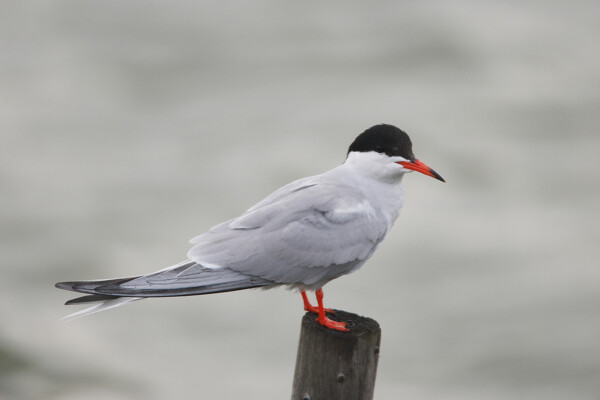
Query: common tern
x=303 y=235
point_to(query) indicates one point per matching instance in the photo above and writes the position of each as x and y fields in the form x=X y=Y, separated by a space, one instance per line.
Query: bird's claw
x=331 y=324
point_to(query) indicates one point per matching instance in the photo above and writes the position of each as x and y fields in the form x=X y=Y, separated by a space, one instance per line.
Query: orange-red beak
x=422 y=168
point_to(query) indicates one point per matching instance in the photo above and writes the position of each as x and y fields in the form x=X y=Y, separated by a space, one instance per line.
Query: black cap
x=386 y=139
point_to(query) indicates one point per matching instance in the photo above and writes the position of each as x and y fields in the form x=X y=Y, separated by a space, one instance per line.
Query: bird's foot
x=320 y=310
x=331 y=324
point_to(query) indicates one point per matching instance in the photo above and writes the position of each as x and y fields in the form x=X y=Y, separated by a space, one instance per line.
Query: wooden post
x=334 y=365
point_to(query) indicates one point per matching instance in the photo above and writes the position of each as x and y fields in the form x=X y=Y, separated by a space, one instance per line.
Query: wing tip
x=65 y=285
x=91 y=287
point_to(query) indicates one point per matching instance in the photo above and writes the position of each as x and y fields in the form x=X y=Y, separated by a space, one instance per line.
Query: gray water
x=127 y=128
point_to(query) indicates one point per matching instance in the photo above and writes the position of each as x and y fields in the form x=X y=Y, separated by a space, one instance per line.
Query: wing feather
x=305 y=236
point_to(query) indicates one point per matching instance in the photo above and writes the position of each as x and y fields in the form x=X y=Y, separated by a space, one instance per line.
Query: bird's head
x=385 y=151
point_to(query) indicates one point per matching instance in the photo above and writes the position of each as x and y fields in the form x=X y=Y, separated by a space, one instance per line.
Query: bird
x=302 y=236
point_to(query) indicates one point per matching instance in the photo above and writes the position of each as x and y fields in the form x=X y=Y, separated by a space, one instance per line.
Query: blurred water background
x=127 y=128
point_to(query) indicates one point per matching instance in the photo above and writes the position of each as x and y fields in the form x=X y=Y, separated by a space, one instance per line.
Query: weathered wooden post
x=334 y=365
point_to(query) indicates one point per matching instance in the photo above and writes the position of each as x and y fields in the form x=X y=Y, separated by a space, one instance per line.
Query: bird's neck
x=374 y=166
x=384 y=191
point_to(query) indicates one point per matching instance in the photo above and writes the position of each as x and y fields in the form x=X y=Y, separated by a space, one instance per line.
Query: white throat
x=376 y=166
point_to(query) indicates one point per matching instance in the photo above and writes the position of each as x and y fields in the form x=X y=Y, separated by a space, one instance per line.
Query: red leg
x=323 y=320
x=310 y=307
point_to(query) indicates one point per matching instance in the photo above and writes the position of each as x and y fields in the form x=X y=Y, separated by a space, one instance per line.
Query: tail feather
x=89 y=298
x=105 y=305
x=185 y=279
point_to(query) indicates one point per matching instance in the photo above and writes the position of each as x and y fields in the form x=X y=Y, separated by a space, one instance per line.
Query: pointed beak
x=422 y=168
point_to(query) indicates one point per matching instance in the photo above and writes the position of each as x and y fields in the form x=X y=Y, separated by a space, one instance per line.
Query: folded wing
x=308 y=236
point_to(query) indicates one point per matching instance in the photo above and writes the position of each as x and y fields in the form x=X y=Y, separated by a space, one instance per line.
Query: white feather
x=105 y=305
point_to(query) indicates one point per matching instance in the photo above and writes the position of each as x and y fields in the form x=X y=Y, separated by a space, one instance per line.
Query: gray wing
x=305 y=234
x=184 y=279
